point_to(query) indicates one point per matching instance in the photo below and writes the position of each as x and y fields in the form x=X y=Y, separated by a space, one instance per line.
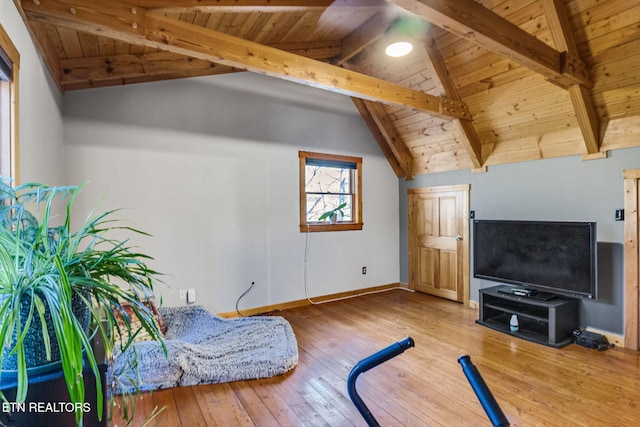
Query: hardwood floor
x=425 y=386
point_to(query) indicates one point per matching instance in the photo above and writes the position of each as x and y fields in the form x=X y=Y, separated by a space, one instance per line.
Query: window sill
x=324 y=226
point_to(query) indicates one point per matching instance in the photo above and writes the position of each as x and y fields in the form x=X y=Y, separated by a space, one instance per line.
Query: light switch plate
x=191 y=296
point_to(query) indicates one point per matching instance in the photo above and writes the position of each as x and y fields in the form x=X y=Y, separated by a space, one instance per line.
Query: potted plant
x=332 y=215
x=60 y=287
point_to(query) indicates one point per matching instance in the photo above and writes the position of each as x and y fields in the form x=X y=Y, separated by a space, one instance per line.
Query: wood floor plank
x=166 y=404
x=188 y=409
x=221 y=407
x=255 y=407
x=330 y=384
x=278 y=402
x=425 y=386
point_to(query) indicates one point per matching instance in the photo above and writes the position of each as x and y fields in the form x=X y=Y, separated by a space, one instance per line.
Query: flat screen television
x=548 y=256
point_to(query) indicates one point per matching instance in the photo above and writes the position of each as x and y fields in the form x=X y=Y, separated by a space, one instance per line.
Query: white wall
x=41 y=128
x=209 y=166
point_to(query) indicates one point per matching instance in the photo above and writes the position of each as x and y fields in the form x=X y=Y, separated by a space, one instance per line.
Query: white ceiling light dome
x=398 y=49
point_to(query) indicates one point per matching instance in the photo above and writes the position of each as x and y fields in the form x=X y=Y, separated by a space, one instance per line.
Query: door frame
x=631 y=259
x=464 y=232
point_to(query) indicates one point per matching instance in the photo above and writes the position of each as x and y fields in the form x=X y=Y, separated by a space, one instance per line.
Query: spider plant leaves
x=50 y=272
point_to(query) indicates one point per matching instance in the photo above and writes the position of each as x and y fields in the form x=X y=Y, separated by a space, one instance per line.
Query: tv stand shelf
x=549 y=322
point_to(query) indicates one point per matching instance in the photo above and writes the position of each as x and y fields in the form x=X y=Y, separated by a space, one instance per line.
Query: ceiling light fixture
x=398 y=49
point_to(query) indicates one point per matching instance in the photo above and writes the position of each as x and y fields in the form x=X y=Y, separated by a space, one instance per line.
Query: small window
x=9 y=60
x=330 y=192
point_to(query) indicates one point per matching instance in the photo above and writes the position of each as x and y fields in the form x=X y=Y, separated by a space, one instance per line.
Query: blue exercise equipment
x=488 y=402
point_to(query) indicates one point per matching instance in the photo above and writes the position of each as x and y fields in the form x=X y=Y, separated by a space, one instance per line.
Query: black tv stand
x=549 y=322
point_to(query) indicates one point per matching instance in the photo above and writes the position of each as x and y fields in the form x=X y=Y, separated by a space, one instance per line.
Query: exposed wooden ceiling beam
x=78 y=73
x=587 y=117
x=87 y=84
x=322 y=50
x=127 y=22
x=478 y=24
x=189 y=39
x=257 y=5
x=581 y=97
x=38 y=35
x=151 y=4
x=388 y=139
x=386 y=135
x=443 y=83
x=83 y=73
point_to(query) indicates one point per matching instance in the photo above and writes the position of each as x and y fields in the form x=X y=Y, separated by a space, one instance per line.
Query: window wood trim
x=14 y=56
x=357 y=223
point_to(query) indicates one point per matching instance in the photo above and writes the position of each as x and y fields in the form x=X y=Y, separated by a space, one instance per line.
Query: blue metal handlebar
x=488 y=402
x=371 y=362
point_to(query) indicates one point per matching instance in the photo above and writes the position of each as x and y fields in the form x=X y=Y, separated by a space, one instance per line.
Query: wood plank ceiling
x=488 y=82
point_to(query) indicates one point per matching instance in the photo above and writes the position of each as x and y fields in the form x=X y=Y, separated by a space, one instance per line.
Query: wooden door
x=439 y=241
x=632 y=259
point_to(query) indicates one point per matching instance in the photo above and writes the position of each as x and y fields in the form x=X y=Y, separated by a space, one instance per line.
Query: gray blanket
x=203 y=349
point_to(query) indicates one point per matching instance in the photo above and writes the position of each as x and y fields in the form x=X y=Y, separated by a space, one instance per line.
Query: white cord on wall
x=307 y=246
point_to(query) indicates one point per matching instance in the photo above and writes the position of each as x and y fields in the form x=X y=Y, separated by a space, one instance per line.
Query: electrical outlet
x=364 y=270
x=183 y=294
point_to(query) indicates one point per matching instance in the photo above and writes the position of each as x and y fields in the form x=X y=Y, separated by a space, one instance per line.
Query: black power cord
x=241 y=296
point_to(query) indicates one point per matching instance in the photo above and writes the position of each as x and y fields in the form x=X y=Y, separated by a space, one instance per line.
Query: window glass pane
x=321 y=179
x=5 y=128
x=317 y=204
x=6 y=67
x=9 y=70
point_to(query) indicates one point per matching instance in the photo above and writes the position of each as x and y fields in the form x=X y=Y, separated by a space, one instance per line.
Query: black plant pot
x=47 y=403
x=35 y=352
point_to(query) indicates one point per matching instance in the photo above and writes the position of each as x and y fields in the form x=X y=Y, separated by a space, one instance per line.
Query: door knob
x=458 y=237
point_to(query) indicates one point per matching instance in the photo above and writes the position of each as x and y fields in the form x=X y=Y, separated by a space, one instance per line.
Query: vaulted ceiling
x=488 y=82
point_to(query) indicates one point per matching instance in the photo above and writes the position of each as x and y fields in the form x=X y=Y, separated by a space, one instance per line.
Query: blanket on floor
x=203 y=348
